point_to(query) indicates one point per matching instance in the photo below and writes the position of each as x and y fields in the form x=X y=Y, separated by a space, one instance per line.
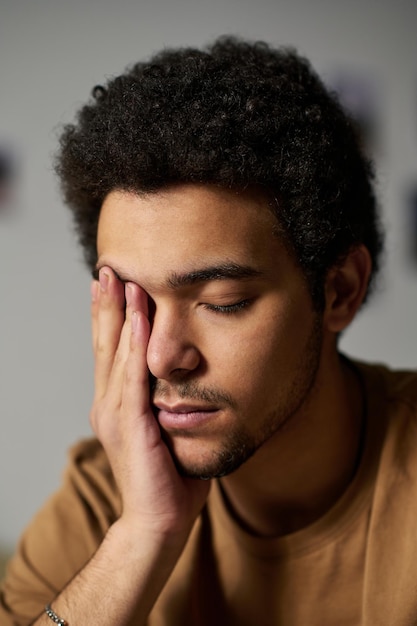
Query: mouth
x=182 y=415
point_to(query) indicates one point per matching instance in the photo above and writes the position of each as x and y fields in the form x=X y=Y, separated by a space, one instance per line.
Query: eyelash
x=228 y=309
x=222 y=309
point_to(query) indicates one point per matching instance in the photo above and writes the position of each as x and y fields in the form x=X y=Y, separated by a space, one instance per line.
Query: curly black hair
x=235 y=114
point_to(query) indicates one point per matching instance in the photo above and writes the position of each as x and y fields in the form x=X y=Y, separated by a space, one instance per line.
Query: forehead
x=185 y=227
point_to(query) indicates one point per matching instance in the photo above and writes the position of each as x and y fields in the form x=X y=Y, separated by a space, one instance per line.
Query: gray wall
x=51 y=54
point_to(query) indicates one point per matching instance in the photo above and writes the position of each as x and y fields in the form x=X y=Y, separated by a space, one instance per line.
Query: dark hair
x=234 y=114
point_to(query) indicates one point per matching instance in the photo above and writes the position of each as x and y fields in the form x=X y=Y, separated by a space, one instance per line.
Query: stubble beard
x=240 y=445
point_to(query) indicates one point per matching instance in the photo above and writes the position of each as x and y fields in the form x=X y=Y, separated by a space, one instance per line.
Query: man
x=243 y=471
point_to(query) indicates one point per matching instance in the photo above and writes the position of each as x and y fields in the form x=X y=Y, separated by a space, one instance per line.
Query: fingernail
x=128 y=294
x=134 y=321
x=104 y=280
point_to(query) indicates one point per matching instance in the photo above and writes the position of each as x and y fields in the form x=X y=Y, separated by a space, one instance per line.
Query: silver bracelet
x=54 y=617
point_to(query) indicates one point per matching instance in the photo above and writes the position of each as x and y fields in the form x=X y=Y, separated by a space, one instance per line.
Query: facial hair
x=239 y=444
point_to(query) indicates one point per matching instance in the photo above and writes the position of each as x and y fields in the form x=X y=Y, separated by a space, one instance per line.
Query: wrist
x=133 y=537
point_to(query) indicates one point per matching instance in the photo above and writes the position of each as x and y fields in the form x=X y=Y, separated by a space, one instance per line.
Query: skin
x=246 y=382
x=245 y=347
x=268 y=369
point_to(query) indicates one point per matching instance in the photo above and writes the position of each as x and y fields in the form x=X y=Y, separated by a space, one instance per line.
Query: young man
x=243 y=471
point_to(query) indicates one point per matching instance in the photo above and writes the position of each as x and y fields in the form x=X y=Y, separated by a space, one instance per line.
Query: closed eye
x=227 y=309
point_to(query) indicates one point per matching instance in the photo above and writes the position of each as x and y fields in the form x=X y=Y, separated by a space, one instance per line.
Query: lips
x=184 y=415
x=182 y=407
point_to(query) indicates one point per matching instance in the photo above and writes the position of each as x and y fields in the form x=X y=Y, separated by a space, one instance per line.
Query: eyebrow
x=223 y=271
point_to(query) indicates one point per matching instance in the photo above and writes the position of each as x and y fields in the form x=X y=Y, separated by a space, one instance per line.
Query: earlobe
x=345 y=288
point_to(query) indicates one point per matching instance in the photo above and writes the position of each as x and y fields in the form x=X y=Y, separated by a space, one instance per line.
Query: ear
x=345 y=288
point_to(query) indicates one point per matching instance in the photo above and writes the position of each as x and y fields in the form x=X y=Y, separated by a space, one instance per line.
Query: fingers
x=112 y=306
x=122 y=378
x=136 y=302
x=136 y=299
x=108 y=316
x=135 y=398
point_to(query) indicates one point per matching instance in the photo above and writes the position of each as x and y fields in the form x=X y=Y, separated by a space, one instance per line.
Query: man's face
x=235 y=343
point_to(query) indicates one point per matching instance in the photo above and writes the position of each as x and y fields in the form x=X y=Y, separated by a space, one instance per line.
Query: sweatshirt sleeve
x=62 y=537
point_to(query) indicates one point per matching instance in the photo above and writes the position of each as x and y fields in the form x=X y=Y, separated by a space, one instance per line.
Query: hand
x=154 y=496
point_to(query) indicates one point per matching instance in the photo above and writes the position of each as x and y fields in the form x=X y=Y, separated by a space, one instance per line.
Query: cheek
x=241 y=353
x=261 y=352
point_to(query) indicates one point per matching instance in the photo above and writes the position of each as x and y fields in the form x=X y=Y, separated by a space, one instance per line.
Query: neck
x=303 y=469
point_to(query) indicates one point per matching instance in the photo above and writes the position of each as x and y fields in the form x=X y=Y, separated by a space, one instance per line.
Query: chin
x=211 y=464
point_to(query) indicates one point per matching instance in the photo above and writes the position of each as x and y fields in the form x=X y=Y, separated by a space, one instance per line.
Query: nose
x=171 y=349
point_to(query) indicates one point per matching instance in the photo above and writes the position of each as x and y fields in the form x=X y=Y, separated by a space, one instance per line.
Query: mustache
x=191 y=391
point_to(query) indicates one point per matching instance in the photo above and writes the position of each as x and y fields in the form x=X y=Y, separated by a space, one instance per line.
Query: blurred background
x=52 y=52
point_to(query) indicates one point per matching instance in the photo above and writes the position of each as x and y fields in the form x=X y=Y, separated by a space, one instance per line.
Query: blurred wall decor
x=8 y=168
x=360 y=95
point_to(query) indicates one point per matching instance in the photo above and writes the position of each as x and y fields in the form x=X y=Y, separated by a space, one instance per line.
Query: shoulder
x=395 y=387
x=390 y=401
x=391 y=416
x=63 y=535
x=89 y=472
